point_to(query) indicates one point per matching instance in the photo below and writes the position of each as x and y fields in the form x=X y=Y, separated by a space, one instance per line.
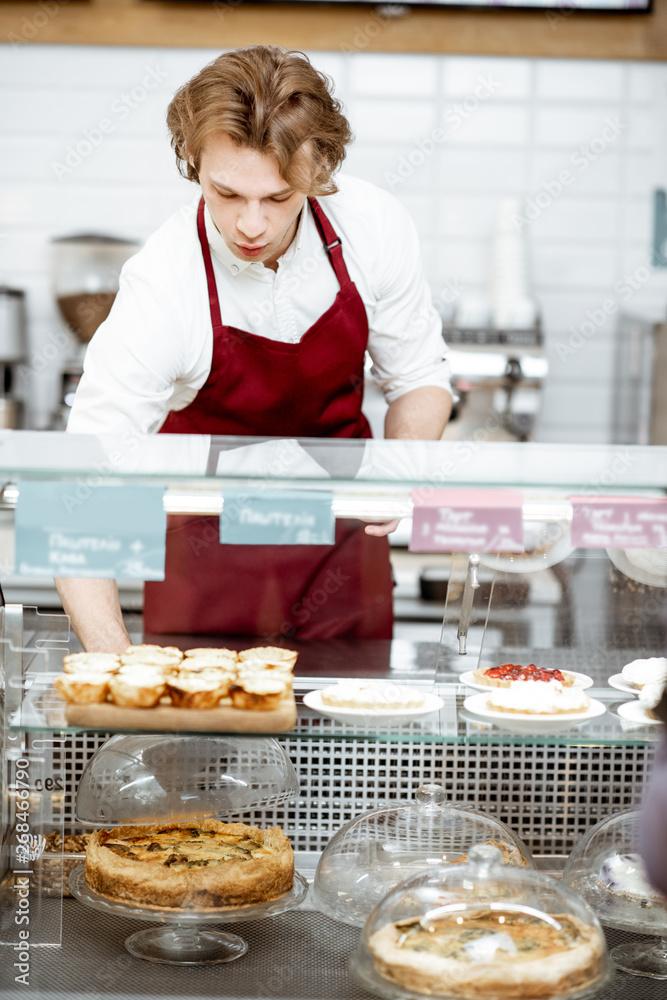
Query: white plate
x=468 y=678
x=619 y=682
x=355 y=716
x=520 y=722
x=632 y=711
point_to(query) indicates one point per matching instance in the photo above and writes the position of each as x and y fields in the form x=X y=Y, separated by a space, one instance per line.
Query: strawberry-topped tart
x=507 y=673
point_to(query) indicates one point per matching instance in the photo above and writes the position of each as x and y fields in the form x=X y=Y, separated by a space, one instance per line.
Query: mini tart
x=258 y=692
x=213 y=654
x=541 y=961
x=137 y=689
x=149 y=648
x=198 y=691
x=150 y=658
x=199 y=668
x=202 y=865
x=83 y=688
x=269 y=654
x=99 y=663
x=255 y=668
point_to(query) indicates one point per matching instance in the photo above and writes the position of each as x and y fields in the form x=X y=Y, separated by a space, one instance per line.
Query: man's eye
x=226 y=195
x=279 y=201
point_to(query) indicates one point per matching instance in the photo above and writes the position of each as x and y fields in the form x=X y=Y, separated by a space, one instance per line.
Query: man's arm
x=94 y=610
x=419 y=415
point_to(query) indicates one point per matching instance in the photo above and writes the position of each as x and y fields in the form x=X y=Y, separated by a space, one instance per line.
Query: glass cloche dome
x=167 y=778
x=378 y=849
x=482 y=929
x=607 y=870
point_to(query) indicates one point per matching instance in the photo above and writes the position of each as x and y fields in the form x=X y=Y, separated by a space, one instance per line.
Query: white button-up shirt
x=153 y=353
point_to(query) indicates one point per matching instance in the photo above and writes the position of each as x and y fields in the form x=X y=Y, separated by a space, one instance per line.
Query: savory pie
x=501 y=953
x=203 y=865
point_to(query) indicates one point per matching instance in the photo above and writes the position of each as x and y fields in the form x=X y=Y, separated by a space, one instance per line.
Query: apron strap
x=331 y=242
x=214 y=304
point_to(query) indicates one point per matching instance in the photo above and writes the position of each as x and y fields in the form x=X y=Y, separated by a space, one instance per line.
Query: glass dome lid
x=378 y=849
x=169 y=778
x=482 y=929
x=606 y=868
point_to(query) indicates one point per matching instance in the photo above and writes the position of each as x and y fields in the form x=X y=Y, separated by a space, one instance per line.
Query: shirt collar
x=235 y=266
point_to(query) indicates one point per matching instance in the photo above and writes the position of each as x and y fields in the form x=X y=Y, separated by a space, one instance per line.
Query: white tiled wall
x=513 y=141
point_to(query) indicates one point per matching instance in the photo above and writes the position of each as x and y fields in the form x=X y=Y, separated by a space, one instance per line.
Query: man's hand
x=382 y=529
x=419 y=415
x=94 y=611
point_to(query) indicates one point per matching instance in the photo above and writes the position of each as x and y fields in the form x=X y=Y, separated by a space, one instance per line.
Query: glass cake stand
x=182 y=940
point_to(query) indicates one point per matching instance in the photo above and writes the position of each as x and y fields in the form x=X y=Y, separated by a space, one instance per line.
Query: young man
x=251 y=315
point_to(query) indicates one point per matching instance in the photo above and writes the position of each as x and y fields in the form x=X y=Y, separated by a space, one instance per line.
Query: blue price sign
x=72 y=529
x=277 y=517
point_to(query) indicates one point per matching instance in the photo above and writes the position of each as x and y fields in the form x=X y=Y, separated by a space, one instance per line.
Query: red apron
x=261 y=387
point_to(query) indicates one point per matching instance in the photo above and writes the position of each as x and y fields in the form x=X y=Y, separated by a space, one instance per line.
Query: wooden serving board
x=166 y=718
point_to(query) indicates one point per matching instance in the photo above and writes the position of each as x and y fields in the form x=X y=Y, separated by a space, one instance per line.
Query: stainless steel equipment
x=639 y=413
x=86 y=271
x=499 y=375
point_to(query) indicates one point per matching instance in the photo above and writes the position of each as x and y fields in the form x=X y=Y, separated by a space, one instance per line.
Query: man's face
x=253 y=207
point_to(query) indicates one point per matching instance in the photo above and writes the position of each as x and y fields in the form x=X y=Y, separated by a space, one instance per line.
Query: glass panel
x=326 y=462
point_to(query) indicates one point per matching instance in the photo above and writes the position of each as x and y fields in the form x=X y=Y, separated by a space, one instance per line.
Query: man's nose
x=251 y=222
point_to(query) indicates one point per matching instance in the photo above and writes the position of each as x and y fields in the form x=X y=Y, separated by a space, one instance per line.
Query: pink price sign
x=467 y=521
x=619 y=523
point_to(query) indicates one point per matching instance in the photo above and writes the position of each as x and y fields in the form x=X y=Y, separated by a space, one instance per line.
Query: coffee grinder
x=86 y=270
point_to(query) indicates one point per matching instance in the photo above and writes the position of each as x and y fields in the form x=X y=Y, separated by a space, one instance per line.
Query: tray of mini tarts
x=232 y=883
x=157 y=689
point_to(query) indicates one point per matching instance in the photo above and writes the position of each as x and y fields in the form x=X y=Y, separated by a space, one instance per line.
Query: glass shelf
x=42 y=711
x=204 y=463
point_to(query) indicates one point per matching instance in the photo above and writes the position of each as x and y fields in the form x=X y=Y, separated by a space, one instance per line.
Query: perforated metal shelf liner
x=297 y=956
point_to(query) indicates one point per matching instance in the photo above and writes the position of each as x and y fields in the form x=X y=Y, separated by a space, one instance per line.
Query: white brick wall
x=511 y=142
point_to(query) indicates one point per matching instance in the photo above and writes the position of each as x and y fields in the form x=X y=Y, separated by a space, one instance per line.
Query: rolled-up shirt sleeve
x=405 y=340
x=136 y=361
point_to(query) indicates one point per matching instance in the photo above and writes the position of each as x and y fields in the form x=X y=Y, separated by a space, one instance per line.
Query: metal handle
x=472 y=584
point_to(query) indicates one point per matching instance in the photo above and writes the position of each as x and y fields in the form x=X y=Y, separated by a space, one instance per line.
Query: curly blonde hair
x=269 y=99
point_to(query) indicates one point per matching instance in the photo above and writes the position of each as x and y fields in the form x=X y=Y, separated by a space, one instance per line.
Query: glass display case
x=584 y=612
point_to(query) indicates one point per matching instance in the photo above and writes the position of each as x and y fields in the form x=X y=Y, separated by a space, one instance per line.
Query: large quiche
x=200 y=865
x=507 y=955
